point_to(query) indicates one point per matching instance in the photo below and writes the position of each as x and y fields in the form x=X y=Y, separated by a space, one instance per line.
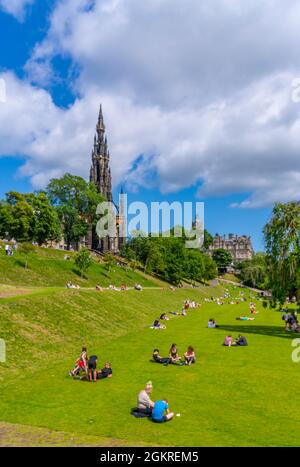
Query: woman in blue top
x=161 y=412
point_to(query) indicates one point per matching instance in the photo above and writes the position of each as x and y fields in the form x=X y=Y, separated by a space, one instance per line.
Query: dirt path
x=12 y=292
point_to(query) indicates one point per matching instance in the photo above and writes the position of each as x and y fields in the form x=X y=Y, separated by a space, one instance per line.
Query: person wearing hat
x=145 y=404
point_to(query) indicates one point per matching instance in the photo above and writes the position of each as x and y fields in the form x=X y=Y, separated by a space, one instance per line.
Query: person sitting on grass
x=190 y=356
x=173 y=354
x=145 y=404
x=241 y=340
x=212 y=324
x=161 y=412
x=106 y=372
x=92 y=368
x=81 y=363
x=158 y=359
x=228 y=341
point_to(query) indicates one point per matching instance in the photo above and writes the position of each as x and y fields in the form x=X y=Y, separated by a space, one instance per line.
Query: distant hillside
x=47 y=267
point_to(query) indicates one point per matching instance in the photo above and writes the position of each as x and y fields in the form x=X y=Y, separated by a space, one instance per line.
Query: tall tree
x=28 y=217
x=282 y=241
x=210 y=268
x=83 y=260
x=76 y=202
x=222 y=258
x=46 y=222
x=21 y=217
x=194 y=265
x=208 y=239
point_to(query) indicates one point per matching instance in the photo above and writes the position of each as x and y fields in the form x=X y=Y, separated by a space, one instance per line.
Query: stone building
x=100 y=175
x=240 y=247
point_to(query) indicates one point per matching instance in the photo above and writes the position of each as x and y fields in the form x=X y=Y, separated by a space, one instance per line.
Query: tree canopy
x=29 y=217
x=75 y=201
x=282 y=241
x=222 y=258
x=168 y=258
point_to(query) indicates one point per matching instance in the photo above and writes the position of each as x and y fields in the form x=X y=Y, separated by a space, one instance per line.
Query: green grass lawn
x=47 y=267
x=230 y=397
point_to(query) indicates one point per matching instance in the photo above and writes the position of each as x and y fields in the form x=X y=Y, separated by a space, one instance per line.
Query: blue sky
x=211 y=112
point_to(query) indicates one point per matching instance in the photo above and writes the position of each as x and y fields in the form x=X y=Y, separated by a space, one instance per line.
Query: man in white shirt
x=145 y=404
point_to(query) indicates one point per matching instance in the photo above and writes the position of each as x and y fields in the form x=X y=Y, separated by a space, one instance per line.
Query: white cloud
x=201 y=89
x=16 y=8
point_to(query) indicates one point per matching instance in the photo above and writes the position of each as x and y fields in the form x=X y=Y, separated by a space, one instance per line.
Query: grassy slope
x=47 y=267
x=230 y=397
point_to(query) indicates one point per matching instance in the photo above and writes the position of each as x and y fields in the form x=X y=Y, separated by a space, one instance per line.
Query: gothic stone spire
x=100 y=173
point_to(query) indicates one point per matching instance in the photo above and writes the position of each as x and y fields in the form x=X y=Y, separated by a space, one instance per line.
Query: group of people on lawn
x=187 y=304
x=88 y=365
x=174 y=358
x=159 y=410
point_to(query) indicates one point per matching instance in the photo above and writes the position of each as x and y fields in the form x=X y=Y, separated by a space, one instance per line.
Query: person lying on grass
x=183 y=312
x=92 y=368
x=244 y=318
x=157 y=325
x=173 y=354
x=189 y=356
x=81 y=363
x=145 y=404
x=158 y=359
x=106 y=372
x=161 y=412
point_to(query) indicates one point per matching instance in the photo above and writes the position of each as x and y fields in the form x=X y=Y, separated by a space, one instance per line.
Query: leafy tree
x=208 y=239
x=282 y=240
x=210 y=268
x=21 y=224
x=76 y=202
x=194 y=268
x=173 y=272
x=83 y=260
x=29 y=217
x=110 y=261
x=134 y=264
x=46 y=222
x=5 y=218
x=254 y=272
x=222 y=258
x=168 y=258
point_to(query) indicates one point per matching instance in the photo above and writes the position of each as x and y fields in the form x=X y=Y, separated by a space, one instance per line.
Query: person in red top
x=81 y=363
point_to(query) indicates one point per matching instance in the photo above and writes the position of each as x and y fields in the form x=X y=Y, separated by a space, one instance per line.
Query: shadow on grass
x=78 y=273
x=274 y=331
x=21 y=263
